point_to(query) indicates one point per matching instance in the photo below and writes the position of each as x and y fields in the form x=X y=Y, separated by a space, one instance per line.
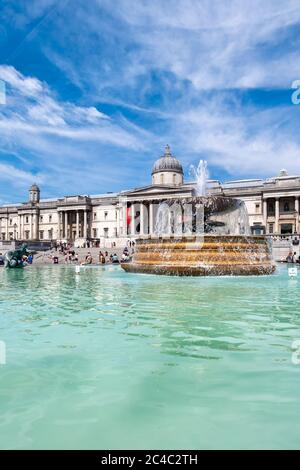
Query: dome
x=167 y=163
x=283 y=172
x=34 y=187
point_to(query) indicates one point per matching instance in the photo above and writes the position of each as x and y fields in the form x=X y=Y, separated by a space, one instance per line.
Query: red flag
x=128 y=216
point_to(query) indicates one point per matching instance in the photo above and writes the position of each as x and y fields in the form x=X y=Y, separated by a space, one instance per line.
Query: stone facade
x=273 y=208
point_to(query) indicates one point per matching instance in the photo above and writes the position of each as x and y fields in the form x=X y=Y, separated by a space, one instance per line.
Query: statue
x=14 y=259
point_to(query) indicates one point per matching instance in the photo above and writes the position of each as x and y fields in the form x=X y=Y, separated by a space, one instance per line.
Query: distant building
x=273 y=207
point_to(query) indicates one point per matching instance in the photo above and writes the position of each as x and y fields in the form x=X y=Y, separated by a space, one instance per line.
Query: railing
x=272 y=214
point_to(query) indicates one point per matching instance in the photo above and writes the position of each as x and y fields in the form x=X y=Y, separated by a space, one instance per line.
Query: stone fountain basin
x=204 y=255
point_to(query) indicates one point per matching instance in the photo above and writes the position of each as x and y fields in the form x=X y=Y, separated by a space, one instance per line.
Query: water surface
x=109 y=360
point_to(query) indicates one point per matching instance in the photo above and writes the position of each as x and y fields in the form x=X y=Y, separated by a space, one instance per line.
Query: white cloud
x=15 y=176
x=244 y=142
x=213 y=43
x=32 y=108
x=60 y=143
x=26 y=86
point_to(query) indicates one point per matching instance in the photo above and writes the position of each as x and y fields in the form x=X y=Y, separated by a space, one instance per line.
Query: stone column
x=85 y=223
x=66 y=226
x=77 y=224
x=34 y=227
x=142 y=221
x=7 y=227
x=277 y=215
x=19 y=227
x=297 y=214
x=169 y=222
x=151 y=218
x=22 y=226
x=58 y=225
x=125 y=228
x=30 y=226
x=132 y=231
x=61 y=235
x=265 y=214
x=118 y=221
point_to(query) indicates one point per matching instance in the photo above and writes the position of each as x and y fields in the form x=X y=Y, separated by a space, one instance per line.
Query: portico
x=74 y=218
x=140 y=211
x=281 y=213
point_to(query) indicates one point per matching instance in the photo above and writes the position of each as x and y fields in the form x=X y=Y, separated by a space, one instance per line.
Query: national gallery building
x=272 y=204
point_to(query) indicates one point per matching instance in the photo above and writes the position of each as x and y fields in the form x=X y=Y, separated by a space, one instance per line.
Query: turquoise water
x=114 y=360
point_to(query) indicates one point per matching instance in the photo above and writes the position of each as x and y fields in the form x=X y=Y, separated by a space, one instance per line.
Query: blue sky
x=95 y=89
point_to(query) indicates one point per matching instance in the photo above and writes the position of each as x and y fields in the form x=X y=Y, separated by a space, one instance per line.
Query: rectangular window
x=10 y=221
x=286 y=229
x=95 y=233
x=271 y=208
x=116 y=232
x=26 y=219
x=41 y=235
x=257 y=208
x=105 y=215
x=50 y=218
x=257 y=228
x=105 y=232
x=95 y=215
x=271 y=228
x=50 y=236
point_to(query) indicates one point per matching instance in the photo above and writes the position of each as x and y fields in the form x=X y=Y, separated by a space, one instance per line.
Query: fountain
x=202 y=235
x=201 y=175
x=15 y=258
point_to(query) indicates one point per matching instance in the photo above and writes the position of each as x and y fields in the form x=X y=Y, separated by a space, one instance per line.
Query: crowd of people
x=103 y=257
x=63 y=252
x=292 y=258
x=61 y=246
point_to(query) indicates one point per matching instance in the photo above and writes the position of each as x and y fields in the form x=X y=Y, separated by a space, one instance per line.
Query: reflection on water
x=204 y=363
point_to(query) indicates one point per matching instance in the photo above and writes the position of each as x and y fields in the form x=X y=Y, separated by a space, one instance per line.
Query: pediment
x=155 y=190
